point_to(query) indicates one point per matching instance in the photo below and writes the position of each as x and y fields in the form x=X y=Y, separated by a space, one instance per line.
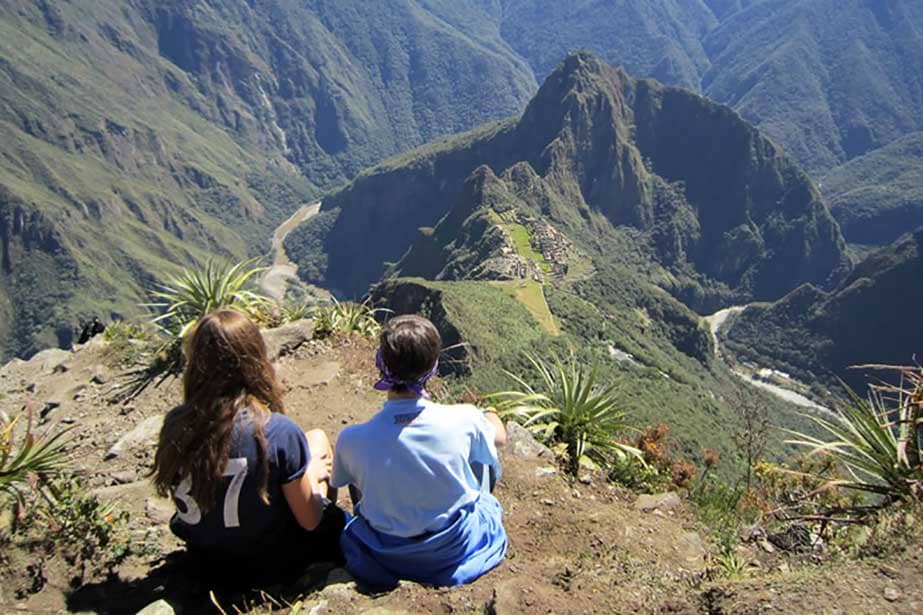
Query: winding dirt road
x=275 y=280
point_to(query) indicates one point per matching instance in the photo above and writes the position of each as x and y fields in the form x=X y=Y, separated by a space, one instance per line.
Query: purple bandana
x=388 y=381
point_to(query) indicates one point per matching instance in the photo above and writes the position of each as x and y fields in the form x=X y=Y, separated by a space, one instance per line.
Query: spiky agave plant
x=25 y=455
x=347 y=317
x=569 y=407
x=877 y=440
x=193 y=293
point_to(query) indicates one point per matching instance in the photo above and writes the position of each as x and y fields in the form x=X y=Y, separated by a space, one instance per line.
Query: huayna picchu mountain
x=628 y=170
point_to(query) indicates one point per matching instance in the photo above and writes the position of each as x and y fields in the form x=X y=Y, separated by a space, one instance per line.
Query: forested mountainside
x=660 y=39
x=137 y=136
x=828 y=80
x=189 y=129
x=878 y=197
x=870 y=318
x=621 y=166
x=590 y=225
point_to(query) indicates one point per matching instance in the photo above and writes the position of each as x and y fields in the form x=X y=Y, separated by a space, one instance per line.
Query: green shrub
x=123 y=331
x=569 y=407
x=195 y=292
x=346 y=317
x=877 y=439
x=294 y=313
x=27 y=456
x=65 y=520
x=718 y=505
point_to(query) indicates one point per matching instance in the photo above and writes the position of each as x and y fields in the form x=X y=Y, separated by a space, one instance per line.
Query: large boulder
x=286 y=339
x=521 y=443
x=51 y=360
x=144 y=433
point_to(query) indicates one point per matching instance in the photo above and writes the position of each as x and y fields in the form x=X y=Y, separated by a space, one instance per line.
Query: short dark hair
x=410 y=346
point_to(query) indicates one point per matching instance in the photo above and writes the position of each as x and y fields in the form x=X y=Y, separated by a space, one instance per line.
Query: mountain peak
x=581 y=76
x=611 y=153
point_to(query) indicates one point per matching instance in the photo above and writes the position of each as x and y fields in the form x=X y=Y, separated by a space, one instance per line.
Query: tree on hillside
x=751 y=430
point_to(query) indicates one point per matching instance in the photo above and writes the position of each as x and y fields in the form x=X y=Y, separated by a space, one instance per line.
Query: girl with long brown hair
x=251 y=488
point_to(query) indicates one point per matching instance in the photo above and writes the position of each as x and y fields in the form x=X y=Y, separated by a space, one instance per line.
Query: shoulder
x=458 y=414
x=175 y=415
x=280 y=428
x=351 y=433
x=457 y=410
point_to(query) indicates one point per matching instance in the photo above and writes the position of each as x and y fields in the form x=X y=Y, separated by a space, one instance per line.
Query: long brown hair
x=227 y=370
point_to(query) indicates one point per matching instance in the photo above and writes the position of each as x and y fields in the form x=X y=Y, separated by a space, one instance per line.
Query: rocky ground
x=577 y=546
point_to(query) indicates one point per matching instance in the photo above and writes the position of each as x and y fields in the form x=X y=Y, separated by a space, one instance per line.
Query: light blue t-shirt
x=413 y=463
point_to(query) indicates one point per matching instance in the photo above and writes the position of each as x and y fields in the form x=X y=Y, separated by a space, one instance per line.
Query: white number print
x=192 y=515
x=237 y=470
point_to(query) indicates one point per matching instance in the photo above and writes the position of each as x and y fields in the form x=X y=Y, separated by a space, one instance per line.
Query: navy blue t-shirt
x=240 y=521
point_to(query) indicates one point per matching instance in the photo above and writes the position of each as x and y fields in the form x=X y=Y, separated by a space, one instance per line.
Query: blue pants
x=474 y=543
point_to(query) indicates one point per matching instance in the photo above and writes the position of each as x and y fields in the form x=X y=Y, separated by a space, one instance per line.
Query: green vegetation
x=660 y=39
x=27 y=456
x=531 y=294
x=825 y=97
x=183 y=152
x=878 y=197
x=195 y=292
x=877 y=440
x=818 y=336
x=718 y=505
x=569 y=407
x=707 y=243
x=656 y=469
x=523 y=244
x=345 y=317
x=64 y=519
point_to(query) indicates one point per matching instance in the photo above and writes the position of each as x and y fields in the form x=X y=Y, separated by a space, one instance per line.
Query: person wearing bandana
x=420 y=474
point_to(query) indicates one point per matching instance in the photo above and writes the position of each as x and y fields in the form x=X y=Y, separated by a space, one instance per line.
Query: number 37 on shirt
x=187 y=509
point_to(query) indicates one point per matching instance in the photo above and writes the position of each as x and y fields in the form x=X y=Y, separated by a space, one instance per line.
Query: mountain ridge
x=867 y=319
x=593 y=132
x=192 y=129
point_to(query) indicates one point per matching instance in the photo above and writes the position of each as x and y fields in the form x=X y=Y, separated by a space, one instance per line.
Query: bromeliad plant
x=571 y=408
x=193 y=293
x=27 y=457
x=183 y=301
x=347 y=317
x=877 y=440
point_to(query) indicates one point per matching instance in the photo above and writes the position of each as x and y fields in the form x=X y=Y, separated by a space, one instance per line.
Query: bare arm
x=499 y=429
x=304 y=496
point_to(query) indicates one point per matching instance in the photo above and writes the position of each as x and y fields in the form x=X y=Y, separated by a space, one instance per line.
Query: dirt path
x=275 y=281
x=715 y=322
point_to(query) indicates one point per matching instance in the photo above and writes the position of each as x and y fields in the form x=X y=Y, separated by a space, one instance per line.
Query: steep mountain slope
x=107 y=178
x=588 y=227
x=870 y=318
x=189 y=129
x=601 y=154
x=723 y=9
x=878 y=197
x=660 y=39
x=828 y=80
